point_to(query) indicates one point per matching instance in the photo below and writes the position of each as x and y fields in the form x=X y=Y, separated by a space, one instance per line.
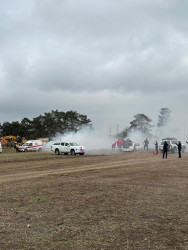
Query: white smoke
x=93 y=141
x=173 y=129
x=98 y=143
x=136 y=136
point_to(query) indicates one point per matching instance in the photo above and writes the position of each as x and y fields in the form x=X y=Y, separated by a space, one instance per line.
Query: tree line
x=45 y=126
x=142 y=123
x=58 y=122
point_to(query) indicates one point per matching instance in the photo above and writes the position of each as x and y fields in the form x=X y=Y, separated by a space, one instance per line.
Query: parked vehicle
x=172 y=145
x=138 y=146
x=0 y=148
x=31 y=145
x=67 y=148
x=11 y=140
x=118 y=144
x=130 y=146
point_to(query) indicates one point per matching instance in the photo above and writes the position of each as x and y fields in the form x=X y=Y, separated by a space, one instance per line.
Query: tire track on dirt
x=40 y=172
x=12 y=172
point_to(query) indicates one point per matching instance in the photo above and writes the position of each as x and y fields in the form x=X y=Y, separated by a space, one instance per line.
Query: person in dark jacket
x=165 y=149
x=146 y=143
x=179 y=148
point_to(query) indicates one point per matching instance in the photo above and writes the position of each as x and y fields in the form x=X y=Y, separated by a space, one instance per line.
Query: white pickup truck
x=67 y=148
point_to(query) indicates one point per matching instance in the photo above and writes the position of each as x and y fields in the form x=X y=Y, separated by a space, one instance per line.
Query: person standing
x=17 y=147
x=165 y=149
x=156 y=147
x=146 y=143
x=179 y=148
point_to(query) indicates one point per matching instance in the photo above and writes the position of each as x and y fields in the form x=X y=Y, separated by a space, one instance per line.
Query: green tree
x=38 y=127
x=47 y=125
x=10 y=128
x=53 y=123
x=26 y=128
x=124 y=133
x=5 y=129
x=142 y=124
x=74 y=121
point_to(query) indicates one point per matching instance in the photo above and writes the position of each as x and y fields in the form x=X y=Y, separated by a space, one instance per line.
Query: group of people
x=165 y=147
x=146 y=144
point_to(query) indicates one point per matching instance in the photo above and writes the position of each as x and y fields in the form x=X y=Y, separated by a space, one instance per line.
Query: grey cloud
x=88 y=48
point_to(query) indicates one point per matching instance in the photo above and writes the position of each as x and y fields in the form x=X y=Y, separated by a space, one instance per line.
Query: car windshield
x=73 y=144
x=162 y=143
x=127 y=144
x=56 y=143
x=174 y=142
x=27 y=144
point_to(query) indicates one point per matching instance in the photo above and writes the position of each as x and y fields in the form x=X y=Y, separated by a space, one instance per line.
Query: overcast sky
x=107 y=59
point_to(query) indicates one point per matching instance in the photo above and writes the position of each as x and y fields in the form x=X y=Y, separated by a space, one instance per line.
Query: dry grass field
x=116 y=201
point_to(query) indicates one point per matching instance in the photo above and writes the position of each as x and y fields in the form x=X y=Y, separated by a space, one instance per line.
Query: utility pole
x=110 y=132
x=117 y=129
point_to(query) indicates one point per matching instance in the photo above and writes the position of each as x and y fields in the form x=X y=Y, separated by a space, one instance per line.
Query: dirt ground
x=108 y=201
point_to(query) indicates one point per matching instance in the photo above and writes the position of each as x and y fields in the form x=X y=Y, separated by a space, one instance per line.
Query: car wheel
x=72 y=152
x=57 y=152
x=40 y=149
x=26 y=150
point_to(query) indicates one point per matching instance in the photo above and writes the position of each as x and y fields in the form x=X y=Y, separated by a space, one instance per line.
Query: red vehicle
x=118 y=144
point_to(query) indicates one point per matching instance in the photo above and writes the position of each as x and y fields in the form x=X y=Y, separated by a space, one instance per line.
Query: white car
x=138 y=146
x=130 y=146
x=0 y=148
x=67 y=148
x=172 y=145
